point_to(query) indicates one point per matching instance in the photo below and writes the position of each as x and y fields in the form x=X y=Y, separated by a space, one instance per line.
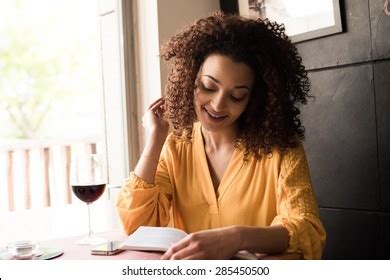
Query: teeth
x=214 y=116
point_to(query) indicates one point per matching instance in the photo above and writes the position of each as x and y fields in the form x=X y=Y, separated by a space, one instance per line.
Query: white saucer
x=41 y=254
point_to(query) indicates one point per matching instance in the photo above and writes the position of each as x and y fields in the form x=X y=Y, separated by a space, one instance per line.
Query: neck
x=219 y=140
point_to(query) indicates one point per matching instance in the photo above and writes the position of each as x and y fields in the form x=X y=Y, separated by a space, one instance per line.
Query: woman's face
x=222 y=93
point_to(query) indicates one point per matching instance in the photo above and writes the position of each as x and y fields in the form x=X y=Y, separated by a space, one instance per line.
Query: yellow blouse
x=270 y=191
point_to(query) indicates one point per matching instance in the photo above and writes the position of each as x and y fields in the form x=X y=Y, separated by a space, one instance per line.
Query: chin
x=208 y=127
x=215 y=127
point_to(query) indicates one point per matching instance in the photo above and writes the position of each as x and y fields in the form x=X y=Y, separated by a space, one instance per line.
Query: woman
x=233 y=171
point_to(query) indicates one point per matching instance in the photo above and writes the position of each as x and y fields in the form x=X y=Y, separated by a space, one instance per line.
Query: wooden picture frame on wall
x=303 y=19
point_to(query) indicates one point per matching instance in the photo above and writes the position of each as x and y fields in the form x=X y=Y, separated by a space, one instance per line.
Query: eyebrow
x=218 y=82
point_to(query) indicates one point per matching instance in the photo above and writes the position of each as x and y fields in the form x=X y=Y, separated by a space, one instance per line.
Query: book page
x=153 y=238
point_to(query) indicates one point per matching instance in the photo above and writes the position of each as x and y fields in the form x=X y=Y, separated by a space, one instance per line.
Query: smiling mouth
x=213 y=116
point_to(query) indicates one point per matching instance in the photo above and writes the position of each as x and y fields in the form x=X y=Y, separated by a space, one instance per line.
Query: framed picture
x=303 y=19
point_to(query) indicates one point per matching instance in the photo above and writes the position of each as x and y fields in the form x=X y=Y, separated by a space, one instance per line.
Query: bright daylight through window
x=51 y=110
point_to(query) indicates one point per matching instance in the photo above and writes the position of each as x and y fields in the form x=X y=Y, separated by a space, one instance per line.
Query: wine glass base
x=91 y=241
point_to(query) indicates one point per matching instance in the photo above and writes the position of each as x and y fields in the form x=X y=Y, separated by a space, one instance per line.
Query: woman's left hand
x=212 y=244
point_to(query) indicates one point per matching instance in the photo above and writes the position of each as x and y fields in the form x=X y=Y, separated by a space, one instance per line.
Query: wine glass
x=88 y=181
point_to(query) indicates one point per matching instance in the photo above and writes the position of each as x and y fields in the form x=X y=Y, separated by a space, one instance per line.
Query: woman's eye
x=205 y=88
x=236 y=99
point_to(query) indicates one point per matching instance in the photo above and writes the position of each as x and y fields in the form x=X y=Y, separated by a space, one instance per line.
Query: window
x=61 y=94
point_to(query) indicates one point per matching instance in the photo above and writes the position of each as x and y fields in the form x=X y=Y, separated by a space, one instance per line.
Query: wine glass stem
x=89 y=222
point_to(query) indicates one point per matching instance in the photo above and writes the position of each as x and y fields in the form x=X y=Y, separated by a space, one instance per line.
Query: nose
x=219 y=101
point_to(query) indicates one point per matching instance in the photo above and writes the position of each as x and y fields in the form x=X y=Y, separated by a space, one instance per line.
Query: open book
x=161 y=238
x=153 y=238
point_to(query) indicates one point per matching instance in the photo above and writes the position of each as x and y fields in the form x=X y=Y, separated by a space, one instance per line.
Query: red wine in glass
x=88 y=181
x=88 y=193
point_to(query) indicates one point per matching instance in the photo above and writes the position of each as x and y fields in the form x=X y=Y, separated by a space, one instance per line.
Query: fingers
x=185 y=249
x=197 y=256
x=160 y=100
x=157 y=107
x=188 y=253
x=175 y=248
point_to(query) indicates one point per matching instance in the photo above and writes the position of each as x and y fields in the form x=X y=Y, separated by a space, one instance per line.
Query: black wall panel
x=341 y=138
x=380 y=28
x=351 y=234
x=382 y=91
x=385 y=246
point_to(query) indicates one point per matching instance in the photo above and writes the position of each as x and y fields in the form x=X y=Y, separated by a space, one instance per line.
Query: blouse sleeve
x=297 y=207
x=141 y=203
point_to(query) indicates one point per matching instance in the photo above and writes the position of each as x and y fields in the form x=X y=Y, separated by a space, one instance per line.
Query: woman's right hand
x=153 y=120
x=157 y=127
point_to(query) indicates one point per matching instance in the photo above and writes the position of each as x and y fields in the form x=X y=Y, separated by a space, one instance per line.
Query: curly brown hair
x=271 y=119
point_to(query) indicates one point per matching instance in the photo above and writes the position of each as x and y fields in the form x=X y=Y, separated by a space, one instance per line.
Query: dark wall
x=348 y=131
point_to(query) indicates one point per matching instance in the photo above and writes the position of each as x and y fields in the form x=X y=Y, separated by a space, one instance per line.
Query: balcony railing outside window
x=36 y=173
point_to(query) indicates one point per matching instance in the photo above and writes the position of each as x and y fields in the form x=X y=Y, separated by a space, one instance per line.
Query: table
x=73 y=251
